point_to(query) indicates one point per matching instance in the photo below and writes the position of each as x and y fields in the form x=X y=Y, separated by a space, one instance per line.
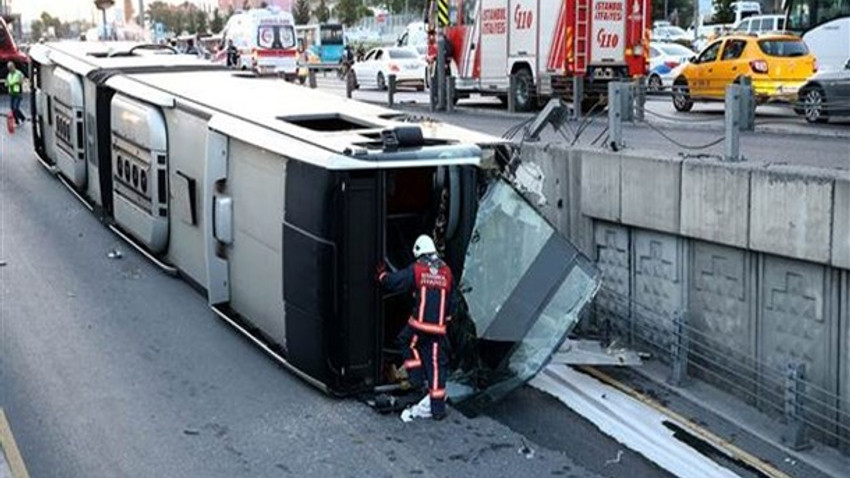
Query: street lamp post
x=102 y=5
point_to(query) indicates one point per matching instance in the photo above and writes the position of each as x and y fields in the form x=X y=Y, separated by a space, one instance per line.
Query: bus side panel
x=185 y=179
x=68 y=126
x=140 y=171
x=255 y=181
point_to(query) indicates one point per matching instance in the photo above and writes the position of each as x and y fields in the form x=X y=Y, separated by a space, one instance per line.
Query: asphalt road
x=109 y=368
x=780 y=137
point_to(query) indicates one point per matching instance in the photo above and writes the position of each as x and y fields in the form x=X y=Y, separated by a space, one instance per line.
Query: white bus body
x=279 y=202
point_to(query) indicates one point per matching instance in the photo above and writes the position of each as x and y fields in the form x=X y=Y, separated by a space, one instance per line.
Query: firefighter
x=423 y=339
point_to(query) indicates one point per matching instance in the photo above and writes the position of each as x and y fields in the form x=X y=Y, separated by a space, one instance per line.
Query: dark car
x=825 y=94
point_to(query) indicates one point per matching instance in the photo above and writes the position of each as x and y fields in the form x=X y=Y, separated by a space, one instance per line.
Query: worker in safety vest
x=15 y=85
x=423 y=339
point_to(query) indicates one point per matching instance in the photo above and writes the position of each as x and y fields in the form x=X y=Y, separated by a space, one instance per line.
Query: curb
x=10 y=449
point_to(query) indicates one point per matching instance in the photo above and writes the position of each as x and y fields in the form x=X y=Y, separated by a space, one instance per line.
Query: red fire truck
x=547 y=44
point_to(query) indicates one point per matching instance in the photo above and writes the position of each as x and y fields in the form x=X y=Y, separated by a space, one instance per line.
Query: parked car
x=777 y=64
x=761 y=24
x=664 y=58
x=380 y=63
x=672 y=34
x=826 y=94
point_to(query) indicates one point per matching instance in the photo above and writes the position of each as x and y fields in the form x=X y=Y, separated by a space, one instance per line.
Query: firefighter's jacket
x=431 y=282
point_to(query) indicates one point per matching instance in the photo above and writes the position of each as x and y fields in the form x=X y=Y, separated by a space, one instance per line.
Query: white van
x=761 y=24
x=265 y=38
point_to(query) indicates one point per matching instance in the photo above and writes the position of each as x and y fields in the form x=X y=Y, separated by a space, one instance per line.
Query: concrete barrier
x=757 y=257
x=650 y=190
x=791 y=213
x=841 y=223
x=715 y=202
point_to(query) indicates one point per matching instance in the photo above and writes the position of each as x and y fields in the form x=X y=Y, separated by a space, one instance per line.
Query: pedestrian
x=15 y=85
x=232 y=54
x=423 y=340
x=191 y=49
x=448 y=53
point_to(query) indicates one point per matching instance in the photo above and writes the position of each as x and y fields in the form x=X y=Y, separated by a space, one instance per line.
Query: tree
x=322 y=13
x=37 y=29
x=724 y=12
x=301 y=12
x=348 y=11
x=217 y=23
x=201 y=21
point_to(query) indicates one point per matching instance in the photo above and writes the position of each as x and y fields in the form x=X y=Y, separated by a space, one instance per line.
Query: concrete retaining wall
x=757 y=257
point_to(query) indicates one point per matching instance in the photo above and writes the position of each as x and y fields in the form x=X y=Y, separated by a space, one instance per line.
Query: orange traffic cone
x=10 y=123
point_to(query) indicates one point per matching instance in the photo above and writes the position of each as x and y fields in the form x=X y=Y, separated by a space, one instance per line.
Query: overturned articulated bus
x=278 y=202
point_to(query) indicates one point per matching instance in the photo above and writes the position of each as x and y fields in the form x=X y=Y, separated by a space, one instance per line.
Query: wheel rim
x=381 y=81
x=813 y=105
x=522 y=94
x=654 y=83
x=679 y=96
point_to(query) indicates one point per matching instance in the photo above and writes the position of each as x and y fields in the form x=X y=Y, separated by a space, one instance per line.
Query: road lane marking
x=8 y=445
x=712 y=439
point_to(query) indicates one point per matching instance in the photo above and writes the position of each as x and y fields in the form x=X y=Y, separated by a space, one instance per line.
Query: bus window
x=332 y=35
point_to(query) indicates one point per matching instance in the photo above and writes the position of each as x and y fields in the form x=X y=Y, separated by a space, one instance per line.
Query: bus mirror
x=847 y=65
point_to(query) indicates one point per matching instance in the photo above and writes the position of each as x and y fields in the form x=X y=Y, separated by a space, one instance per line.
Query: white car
x=664 y=58
x=671 y=34
x=380 y=63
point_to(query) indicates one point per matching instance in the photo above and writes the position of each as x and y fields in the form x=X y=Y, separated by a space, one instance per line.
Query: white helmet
x=423 y=245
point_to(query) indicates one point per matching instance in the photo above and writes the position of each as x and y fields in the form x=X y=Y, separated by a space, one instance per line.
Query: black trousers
x=426 y=361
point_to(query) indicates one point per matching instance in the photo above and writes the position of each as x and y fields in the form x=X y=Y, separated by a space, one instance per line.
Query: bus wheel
x=524 y=94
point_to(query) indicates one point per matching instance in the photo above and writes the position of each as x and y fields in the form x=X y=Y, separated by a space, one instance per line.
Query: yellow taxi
x=777 y=64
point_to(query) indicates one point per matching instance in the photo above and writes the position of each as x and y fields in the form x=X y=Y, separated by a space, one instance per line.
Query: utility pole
x=102 y=5
x=142 y=14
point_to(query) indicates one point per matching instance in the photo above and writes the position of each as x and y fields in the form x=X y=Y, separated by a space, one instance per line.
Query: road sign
x=443 y=12
x=103 y=4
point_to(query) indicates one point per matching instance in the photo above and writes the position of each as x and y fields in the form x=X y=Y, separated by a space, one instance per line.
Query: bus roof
x=85 y=57
x=339 y=133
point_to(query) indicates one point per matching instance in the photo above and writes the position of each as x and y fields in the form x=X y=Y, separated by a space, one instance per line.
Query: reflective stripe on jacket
x=14 y=82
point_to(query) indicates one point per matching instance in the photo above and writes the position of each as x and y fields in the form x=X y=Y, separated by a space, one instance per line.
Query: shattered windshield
x=524 y=286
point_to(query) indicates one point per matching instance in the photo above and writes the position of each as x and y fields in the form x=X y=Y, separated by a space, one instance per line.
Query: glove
x=380 y=272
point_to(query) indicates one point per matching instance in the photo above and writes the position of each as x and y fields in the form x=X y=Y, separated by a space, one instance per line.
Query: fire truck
x=552 y=47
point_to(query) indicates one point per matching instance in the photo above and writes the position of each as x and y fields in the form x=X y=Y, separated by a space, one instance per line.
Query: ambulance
x=265 y=38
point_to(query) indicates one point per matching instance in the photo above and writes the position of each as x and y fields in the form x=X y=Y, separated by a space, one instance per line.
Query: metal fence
x=807 y=410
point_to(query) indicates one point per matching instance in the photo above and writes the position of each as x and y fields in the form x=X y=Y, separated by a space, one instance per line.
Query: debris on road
x=526 y=451
x=2 y=263
x=615 y=460
x=191 y=431
x=115 y=254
